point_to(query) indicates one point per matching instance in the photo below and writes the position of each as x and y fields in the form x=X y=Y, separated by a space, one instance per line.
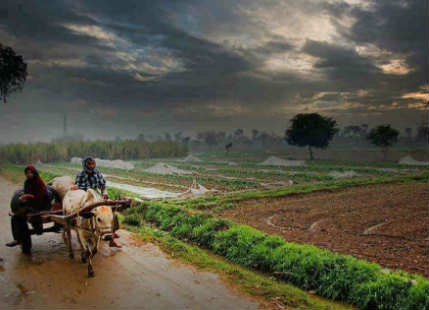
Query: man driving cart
x=91 y=177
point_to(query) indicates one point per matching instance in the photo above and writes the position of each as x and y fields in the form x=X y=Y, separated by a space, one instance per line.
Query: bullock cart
x=68 y=222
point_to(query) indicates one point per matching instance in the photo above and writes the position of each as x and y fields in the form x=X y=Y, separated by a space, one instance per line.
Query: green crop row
x=232 y=184
x=213 y=201
x=331 y=275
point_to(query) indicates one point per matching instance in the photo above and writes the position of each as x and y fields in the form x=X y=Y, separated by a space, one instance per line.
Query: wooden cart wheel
x=25 y=240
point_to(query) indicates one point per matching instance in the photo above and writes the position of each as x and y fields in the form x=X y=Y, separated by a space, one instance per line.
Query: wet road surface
x=138 y=276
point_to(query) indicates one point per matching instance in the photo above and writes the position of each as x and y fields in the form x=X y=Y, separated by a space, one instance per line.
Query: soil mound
x=163 y=168
x=191 y=158
x=117 y=163
x=408 y=160
x=276 y=161
x=76 y=160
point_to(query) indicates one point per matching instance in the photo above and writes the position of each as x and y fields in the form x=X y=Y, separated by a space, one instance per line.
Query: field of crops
x=367 y=220
x=241 y=172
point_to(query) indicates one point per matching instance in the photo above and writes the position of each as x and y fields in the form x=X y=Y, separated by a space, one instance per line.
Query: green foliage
x=13 y=72
x=383 y=136
x=312 y=130
x=126 y=150
x=336 y=276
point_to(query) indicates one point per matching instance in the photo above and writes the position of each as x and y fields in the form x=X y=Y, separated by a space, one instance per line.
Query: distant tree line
x=63 y=151
x=213 y=138
x=360 y=132
x=310 y=130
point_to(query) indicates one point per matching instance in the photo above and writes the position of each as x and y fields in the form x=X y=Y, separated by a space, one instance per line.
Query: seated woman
x=35 y=197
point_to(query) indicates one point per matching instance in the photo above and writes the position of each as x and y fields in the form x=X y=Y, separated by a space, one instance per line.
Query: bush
x=335 y=276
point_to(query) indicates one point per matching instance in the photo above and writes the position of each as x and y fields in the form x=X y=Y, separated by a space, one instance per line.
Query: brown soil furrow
x=394 y=216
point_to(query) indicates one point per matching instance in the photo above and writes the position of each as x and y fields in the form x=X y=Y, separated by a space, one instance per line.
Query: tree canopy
x=311 y=130
x=13 y=72
x=383 y=136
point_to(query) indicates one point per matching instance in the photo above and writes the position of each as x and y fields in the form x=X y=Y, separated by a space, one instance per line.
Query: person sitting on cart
x=91 y=177
x=36 y=196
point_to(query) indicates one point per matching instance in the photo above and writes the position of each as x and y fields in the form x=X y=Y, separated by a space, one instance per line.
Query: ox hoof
x=83 y=259
x=71 y=255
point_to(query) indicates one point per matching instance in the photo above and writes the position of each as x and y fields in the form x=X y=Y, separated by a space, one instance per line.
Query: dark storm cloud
x=206 y=60
x=343 y=65
x=399 y=27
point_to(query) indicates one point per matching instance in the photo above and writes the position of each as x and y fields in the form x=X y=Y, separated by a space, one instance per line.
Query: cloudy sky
x=118 y=68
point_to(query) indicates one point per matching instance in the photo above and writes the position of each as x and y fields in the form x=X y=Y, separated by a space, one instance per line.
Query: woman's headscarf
x=35 y=186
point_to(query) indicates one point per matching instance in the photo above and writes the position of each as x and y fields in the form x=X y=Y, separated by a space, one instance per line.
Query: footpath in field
x=386 y=224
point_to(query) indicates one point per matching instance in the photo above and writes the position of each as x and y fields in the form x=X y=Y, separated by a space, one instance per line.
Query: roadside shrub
x=237 y=242
x=343 y=273
x=261 y=254
x=386 y=292
x=418 y=296
x=205 y=233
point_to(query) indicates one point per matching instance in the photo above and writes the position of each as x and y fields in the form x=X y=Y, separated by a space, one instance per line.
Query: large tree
x=311 y=130
x=13 y=72
x=383 y=136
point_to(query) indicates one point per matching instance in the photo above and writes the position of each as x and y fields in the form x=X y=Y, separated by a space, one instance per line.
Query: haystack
x=163 y=168
x=276 y=161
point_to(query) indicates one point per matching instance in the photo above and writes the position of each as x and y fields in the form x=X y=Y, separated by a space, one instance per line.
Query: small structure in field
x=196 y=189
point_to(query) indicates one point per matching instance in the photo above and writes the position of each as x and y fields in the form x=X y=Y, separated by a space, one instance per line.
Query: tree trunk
x=384 y=151
x=311 y=152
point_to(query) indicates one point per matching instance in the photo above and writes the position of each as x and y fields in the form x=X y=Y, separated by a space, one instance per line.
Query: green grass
x=331 y=275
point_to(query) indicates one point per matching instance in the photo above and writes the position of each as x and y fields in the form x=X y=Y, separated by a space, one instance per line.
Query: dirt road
x=135 y=277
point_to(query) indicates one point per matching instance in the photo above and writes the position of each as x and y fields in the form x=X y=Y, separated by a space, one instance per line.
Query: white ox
x=91 y=226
